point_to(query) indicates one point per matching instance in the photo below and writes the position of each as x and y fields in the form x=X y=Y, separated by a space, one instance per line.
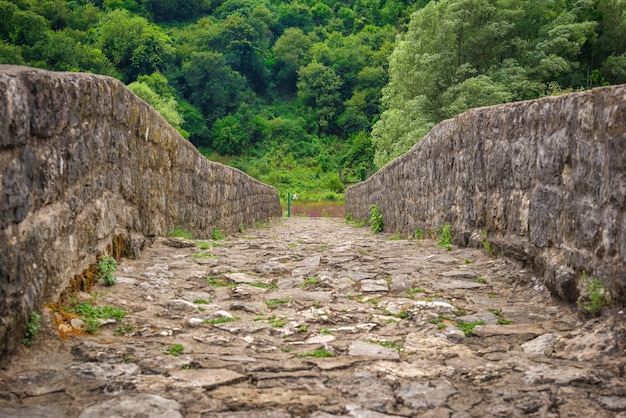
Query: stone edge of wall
x=86 y=169
x=542 y=181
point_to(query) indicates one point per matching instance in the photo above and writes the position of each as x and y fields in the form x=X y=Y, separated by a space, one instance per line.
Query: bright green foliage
x=468 y=327
x=32 y=329
x=317 y=353
x=175 y=349
x=445 y=237
x=376 y=219
x=313 y=96
x=90 y=314
x=180 y=232
x=106 y=266
x=597 y=297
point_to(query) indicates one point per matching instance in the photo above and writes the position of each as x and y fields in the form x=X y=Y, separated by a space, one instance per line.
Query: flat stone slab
x=320 y=339
x=372 y=286
x=207 y=378
x=457 y=284
x=512 y=329
x=336 y=363
x=142 y=405
x=357 y=276
x=302 y=295
x=459 y=274
x=362 y=348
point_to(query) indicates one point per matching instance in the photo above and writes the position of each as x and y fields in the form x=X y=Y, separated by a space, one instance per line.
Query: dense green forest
x=314 y=94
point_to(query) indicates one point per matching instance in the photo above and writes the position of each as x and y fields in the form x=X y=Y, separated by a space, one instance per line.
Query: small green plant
x=32 y=329
x=419 y=234
x=106 y=266
x=241 y=228
x=391 y=321
x=219 y=282
x=411 y=292
x=468 y=327
x=217 y=235
x=180 y=232
x=273 y=285
x=124 y=329
x=491 y=252
x=203 y=255
x=221 y=320
x=309 y=281
x=174 y=350
x=90 y=314
x=275 y=302
x=203 y=245
x=597 y=296
x=303 y=328
x=445 y=238
x=286 y=349
x=317 y=304
x=395 y=237
x=503 y=321
x=403 y=315
x=202 y=301
x=317 y=353
x=467 y=261
x=441 y=326
x=325 y=331
x=376 y=219
x=277 y=322
x=394 y=345
x=481 y=280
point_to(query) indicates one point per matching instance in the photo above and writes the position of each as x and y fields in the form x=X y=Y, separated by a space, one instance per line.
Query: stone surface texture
x=319 y=345
x=84 y=163
x=541 y=181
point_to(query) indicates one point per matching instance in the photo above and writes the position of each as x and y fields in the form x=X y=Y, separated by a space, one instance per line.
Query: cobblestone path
x=317 y=317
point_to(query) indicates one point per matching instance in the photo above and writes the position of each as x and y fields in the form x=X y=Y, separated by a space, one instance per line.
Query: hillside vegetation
x=314 y=94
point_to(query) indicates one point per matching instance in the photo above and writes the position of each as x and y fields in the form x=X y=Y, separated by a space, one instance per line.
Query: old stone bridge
x=521 y=315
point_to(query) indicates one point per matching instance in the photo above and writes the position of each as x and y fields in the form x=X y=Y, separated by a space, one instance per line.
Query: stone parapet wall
x=542 y=181
x=84 y=162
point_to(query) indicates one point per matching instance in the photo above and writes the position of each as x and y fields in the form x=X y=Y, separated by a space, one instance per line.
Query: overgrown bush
x=376 y=219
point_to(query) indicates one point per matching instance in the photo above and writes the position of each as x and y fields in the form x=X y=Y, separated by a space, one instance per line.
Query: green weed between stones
x=276 y=302
x=445 y=238
x=317 y=353
x=91 y=314
x=106 y=266
x=222 y=320
x=597 y=296
x=174 y=350
x=394 y=345
x=180 y=232
x=203 y=255
x=124 y=329
x=32 y=329
x=219 y=282
x=217 y=234
x=376 y=219
x=468 y=327
x=202 y=301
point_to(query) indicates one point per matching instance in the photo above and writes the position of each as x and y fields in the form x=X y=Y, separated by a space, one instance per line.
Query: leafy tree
x=132 y=44
x=291 y=51
x=212 y=85
x=318 y=88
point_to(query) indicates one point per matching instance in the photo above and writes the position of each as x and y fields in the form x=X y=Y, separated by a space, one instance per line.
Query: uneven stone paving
x=256 y=313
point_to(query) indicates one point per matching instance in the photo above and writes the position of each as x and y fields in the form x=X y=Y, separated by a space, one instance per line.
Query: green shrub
x=32 y=328
x=180 y=232
x=376 y=219
x=597 y=297
x=106 y=266
x=445 y=238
